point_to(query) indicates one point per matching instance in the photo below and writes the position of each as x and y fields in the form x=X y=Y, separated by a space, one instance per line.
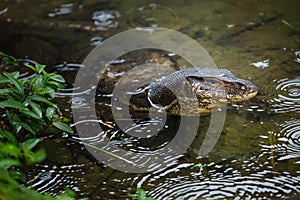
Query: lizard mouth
x=243 y=96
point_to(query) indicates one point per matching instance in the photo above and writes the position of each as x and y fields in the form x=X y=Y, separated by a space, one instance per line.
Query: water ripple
x=288 y=98
x=216 y=184
x=50 y=179
x=286 y=142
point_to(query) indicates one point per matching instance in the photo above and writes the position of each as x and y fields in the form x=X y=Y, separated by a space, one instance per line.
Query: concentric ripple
x=224 y=182
x=286 y=143
x=288 y=98
x=50 y=179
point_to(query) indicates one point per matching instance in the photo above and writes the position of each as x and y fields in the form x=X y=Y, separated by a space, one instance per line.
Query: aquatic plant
x=200 y=166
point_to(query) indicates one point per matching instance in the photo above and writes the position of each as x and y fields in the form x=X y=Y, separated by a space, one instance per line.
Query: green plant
x=27 y=111
x=140 y=195
x=200 y=166
x=285 y=22
x=25 y=103
x=7 y=59
x=14 y=155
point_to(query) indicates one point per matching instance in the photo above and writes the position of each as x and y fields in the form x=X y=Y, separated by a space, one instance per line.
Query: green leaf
x=41 y=99
x=141 y=193
x=13 y=119
x=8 y=59
x=48 y=90
x=5 y=91
x=50 y=112
x=36 y=108
x=38 y=82
x=14 y=94
x=30 y=143
x=15 y=82
x=13 y=104
x=7 y=163
x=17 y=175
x=59 y=85
x=39 y=67
x=30 y=67
x=63 y=126
x=39 y=155
x=57 y=78
x=36 y=126
x=10 y=137
x=288 y=24
x=70 y=192
x=134 y=196
x=11 y=150
x=4 y=80
x=15 y=74
x=30 y=114
x=25 y=126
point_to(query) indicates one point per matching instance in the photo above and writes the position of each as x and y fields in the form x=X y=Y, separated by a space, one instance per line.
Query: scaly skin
x=198 y=90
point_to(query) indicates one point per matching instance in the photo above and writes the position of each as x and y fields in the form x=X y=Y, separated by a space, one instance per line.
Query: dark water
x=258 y=152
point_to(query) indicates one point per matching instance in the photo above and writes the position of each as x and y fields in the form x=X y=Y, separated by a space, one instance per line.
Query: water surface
x=258 y=152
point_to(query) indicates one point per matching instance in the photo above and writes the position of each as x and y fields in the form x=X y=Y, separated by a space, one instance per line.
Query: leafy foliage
x=7 y=59
x=26 y=104
x=27 y=111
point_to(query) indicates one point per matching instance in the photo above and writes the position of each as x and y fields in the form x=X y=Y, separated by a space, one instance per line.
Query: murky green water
x=258 y=152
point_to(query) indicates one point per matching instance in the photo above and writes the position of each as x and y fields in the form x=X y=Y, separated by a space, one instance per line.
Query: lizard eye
x=211 y=80
x=243 y=87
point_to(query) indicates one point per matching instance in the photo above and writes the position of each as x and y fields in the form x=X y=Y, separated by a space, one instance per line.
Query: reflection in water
x=95 y=41
x=288 y=99
x=261 y=64
x=297 y=54
x=3 y=11
x=63 y=10
x=68 y=67
x=104 y=20
x=153 y=15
